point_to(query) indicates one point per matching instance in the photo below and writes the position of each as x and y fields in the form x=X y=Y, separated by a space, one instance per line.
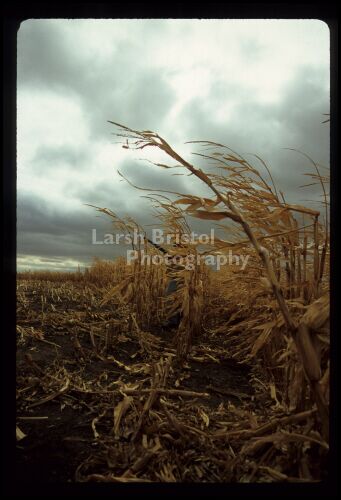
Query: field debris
x=236 y=391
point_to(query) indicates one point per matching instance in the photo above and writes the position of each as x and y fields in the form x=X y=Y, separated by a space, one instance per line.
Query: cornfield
x=237 y=391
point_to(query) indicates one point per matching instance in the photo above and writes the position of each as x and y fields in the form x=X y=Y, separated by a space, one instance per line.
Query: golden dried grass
x=276 y=312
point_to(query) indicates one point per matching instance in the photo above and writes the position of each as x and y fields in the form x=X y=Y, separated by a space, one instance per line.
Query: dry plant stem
x=300 y=338
x=170 y=392
x=51 y=396
x=304 y=254
x=316 y=258
x=299 y=274
x=259 y=431
x=311 y=365
x=322 y=262
x=235 y=215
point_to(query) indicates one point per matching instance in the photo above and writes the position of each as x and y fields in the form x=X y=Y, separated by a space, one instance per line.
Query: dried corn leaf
x=120 y=411
x=19 y=434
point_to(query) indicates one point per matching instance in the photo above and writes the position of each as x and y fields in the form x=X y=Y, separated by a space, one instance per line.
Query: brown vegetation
x=240 y=391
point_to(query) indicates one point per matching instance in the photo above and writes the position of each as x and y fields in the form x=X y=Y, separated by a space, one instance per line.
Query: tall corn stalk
x=142 y=285
x=245 y=198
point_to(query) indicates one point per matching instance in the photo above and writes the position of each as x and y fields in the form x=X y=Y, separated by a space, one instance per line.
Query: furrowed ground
x=99 y=399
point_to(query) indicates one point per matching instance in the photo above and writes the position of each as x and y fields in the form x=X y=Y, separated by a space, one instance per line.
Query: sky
x=258 y=86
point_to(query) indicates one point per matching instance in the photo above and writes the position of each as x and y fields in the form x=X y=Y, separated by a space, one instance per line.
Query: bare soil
x=71 y=380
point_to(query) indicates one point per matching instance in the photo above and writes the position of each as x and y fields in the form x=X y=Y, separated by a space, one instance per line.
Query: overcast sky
x=256 y=86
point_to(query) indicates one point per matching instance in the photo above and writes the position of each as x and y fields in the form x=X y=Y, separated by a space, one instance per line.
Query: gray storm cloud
x=256 y=86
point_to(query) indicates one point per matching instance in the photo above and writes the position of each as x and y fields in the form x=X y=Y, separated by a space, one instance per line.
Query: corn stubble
x=274 y=315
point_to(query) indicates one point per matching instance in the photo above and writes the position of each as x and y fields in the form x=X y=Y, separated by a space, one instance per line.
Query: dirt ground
x=86 y=409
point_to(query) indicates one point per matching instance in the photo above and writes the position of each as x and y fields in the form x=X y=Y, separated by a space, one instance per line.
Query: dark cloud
x=123 y=89
x=57 y=233
x=47 y=157
x=121 y=197
x=125 y=86
x=142 y=174
x=266 y=129
x=43 y=57
x=101 y=194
